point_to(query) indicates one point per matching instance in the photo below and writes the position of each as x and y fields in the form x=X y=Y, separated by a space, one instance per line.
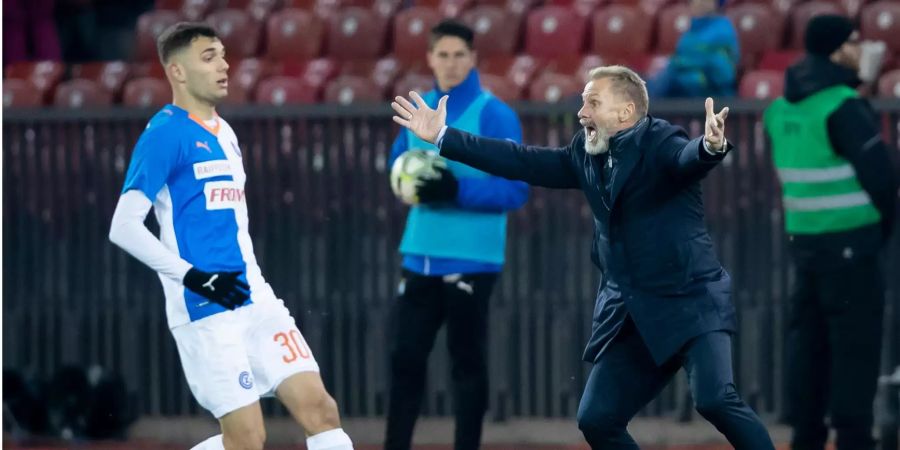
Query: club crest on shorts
x=245 y=380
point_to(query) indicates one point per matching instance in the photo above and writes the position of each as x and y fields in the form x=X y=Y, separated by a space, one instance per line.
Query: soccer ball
x=409 y=168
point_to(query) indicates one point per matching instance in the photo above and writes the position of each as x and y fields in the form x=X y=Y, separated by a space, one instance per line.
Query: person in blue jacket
x=453 y=250
x=705 y=59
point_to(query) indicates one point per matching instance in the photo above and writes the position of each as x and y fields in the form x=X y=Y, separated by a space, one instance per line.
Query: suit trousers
x=424 y=304
x=625 y=379
x=833 y=354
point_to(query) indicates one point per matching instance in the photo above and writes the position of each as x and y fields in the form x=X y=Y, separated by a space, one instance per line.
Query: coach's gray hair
x=627 y=83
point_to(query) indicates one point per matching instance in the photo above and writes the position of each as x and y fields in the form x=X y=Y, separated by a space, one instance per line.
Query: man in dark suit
x=664 y=302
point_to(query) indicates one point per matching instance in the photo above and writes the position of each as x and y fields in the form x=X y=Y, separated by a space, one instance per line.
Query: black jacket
x=650 y=239
x=854 y=132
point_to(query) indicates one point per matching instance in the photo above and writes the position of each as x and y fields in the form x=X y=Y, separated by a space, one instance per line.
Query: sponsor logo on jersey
x=223 y=195
x=245 y=380
x=214 y=168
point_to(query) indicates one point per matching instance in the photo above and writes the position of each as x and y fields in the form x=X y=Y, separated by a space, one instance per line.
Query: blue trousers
x=626 y=378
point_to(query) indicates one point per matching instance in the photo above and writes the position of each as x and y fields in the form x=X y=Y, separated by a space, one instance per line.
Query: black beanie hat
x=826 y=33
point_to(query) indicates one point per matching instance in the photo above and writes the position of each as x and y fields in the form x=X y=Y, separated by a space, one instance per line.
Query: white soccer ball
x=409 y=168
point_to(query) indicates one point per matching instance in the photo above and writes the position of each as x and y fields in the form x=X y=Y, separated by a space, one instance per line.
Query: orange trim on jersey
x=214 y=131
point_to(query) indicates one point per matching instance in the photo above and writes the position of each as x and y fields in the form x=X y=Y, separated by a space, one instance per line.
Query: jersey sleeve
x=154 y=158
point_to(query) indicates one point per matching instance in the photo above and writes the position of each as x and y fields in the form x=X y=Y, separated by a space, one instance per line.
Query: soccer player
x=236 y=339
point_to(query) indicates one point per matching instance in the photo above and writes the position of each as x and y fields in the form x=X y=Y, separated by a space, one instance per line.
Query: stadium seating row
x=257 y=80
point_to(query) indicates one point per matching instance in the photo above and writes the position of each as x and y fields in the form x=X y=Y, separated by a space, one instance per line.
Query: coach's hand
x=715 y=127
x=424 y=122
x=223 y=288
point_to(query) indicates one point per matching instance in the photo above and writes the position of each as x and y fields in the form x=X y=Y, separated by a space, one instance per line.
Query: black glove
x=223 y=288
x=439 y=189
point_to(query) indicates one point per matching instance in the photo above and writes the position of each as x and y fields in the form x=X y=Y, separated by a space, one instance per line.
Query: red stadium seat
x=385 y=8
x=554 y=87
x=889 y=84
x=519 y=70
x=554 y=31
x=758 y=27
x=197 y=10
x=171 y=5
x=584 y=8
x=673 y=21
x=152 y=69
x=383 y=72
x=258 y=9
x=238 y=30
x=111 y=75
x=293 y=34
x=356 y=33
x=146 y=93
x=778 y=60
x=350 y=89
x=453 y=8
x=881 y=22
x=802 y=15
x=761 y=84
x=413 y=81
x=411 y=28
x=20 y=94
x=853 y=7
x=500 y=87
x=284 y=90
x=78 y=93
x=149 y=26
x=620 y=30
x=243 y=78
x=496 y=31
x=43 y=75
x=588 y=62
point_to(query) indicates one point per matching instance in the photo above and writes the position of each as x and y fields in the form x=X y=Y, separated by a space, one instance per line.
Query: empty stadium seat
x=293 y=34
x=758 y=28
x=383 y=72
x=889 y=84
x=554 y=87
x=673 y=21
x=881 y=21
x=588 y=62
x=348 y=89
x=356 y=33
x=802 y=14
x=385 y=8
x=20 y=94
x=620 y=30
x=197 y=10
x=453 y=8
x=43 y=75
x=152 y=69
x=149 y=26
x=413 y=81
x=500 y=87
x=778 y=59
x=79 y=92
x=243 y=77
x=411 y=28
x=553 y=31
x=761 y=84
x=171 y=5
x=496 y=31
x=519 y=70
x=238 y=31
x=258 y=9
x=284 y=90
x=146 y=92
x=111 y=75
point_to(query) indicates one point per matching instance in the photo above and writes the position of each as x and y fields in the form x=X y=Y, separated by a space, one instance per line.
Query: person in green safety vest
x=839 y=195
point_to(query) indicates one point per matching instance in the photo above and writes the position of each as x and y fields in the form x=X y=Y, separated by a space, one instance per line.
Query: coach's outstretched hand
x=424 y=122
x=715 y=126
x=223 y=288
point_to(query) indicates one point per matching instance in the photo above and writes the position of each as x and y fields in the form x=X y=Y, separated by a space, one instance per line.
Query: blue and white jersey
x=194 y=175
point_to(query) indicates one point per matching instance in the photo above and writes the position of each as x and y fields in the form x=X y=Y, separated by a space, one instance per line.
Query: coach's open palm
x=424 y=122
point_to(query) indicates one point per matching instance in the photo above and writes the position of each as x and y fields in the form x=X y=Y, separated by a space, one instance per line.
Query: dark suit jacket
x=650 y=240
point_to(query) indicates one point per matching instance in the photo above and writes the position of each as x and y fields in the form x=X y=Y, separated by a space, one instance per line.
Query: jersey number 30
x=295 y=344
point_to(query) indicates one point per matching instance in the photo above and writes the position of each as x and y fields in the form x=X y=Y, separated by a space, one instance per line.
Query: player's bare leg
x=243 y=428
x=304 y=395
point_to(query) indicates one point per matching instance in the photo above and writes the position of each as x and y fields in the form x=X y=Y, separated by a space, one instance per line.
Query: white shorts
x=231 y=359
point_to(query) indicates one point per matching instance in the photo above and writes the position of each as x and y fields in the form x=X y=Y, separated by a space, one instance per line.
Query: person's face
x=603 y=114
x=847 y=55
x=451 y=61
x=202 y=70
x=703 y=7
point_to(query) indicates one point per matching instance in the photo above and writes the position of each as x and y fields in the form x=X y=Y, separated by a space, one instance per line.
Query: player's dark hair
x=450 y=27
x=180 y=36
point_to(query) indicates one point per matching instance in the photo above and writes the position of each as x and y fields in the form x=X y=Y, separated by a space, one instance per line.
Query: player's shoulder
x=166 y=124
x=498 y=108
